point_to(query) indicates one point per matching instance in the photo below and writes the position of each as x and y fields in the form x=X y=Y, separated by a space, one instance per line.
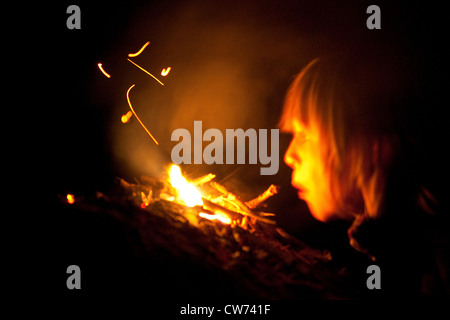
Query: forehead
x=295 y=125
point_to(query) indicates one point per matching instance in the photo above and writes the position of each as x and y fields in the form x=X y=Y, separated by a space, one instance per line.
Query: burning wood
x=221 y=234
x=229 y=203
x=204 y=179
x=272 y=190
x=197 y=206
x=209 y=199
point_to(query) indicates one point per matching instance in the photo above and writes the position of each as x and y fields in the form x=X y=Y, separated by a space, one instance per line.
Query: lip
x=302 y=194
x=302 y=191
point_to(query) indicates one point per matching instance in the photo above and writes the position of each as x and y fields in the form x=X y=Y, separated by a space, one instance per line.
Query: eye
x=165 y=71
x=301 y=136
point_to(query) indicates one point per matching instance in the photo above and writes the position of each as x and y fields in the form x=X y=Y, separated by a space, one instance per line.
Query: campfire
x=202 y=222
x=203 y=198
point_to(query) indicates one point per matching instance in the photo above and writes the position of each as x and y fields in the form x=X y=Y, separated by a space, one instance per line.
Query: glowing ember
x=145 y=199
x=186 y=191
x=165 y=71
x=70 y=198
x=222 y=217
x=131 y=55
x=126 y=117
x=208 y=216
x=103 y=71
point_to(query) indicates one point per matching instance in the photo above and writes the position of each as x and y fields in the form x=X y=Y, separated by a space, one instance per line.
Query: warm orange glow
x=126 y=117
x=165 y=71
x=143 y=126
x=103 y=71
x=131 y=55
x=70 y=198
x=146 y=72
x=187 y=192
x=310 y=175
x=222 y=217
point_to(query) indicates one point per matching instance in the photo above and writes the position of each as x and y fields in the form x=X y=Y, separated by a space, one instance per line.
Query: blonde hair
x=350 y=102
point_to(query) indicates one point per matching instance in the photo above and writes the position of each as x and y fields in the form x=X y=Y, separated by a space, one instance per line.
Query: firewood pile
x=257 y=258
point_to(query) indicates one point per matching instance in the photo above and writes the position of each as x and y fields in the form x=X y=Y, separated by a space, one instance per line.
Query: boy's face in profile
x=309 y=176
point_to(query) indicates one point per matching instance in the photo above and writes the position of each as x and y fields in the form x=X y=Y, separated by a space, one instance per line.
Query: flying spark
x=126 y=117
x=165 y=71
x=131 y=107
x=103 y=71
x=132 y=55
x=146 y=72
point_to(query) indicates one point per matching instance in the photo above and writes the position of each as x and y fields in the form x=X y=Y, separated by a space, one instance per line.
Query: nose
x=291 y=157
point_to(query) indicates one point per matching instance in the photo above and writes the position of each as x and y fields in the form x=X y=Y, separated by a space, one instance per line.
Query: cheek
x=319 y=199
x=310 y=167
x=312 y=175
x=317 y=178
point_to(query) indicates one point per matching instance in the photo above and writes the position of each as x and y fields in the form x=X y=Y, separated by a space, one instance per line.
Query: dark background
x=232 y=63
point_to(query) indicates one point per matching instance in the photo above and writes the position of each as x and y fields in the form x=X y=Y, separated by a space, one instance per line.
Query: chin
x=321 y=214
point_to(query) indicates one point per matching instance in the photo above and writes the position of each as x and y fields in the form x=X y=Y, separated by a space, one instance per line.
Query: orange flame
x=187 y=192
x=191 y=196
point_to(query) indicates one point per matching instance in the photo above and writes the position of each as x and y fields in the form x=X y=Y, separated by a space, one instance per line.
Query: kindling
x=213 y=152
